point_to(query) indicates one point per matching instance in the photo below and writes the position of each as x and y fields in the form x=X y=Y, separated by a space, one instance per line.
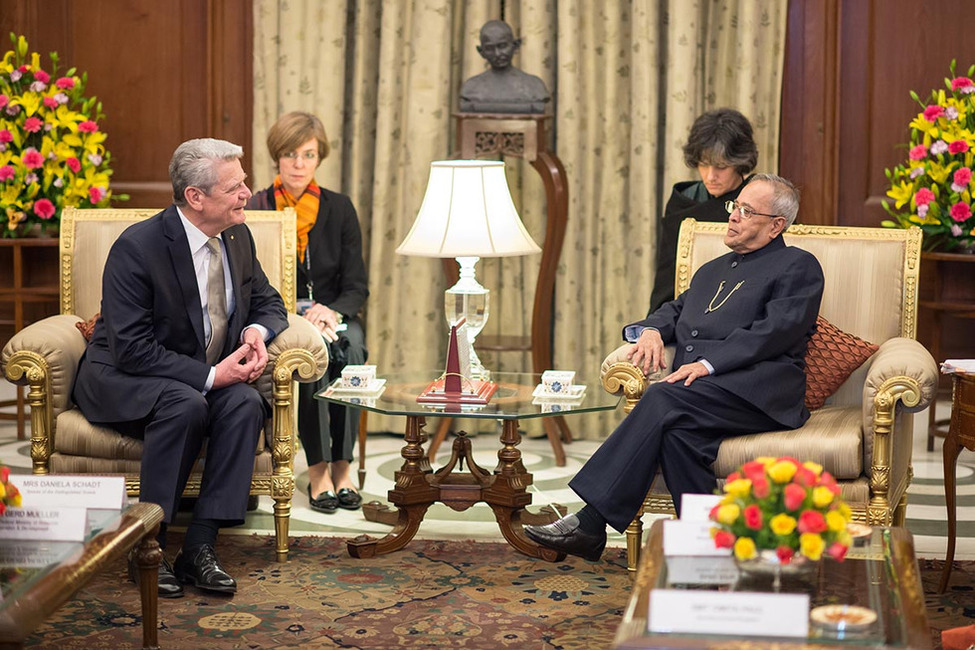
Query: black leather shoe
x=567 y=536
x=349 y=499
x=325 y=502
x=169 y=586
x=203 y=570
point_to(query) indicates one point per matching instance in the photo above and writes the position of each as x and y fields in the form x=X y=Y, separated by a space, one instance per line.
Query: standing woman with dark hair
x=721 y=146
x=332 y=290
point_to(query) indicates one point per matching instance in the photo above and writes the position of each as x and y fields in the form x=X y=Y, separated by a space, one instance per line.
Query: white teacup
x=358 y=376
x=558 y=382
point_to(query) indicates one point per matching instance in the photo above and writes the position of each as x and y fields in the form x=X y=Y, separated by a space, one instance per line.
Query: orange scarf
x=305 y=207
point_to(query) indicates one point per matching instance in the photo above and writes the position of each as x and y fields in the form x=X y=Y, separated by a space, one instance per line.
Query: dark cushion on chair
x=831 y=357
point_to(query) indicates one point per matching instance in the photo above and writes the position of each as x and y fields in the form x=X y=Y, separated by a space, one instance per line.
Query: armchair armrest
x=299 y=353
x=44 y=356
x=902 y=371
x=619 y=375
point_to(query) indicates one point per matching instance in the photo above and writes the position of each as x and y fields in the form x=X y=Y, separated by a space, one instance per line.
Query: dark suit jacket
x=151 y=326
x=335 y=259
x=757 y=339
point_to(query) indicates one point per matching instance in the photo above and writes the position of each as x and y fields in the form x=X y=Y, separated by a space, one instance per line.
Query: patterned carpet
x=955 y=607
x=458 y=594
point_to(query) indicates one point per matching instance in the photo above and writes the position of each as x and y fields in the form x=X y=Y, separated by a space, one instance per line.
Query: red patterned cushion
x=831 y=357
x=87 y=327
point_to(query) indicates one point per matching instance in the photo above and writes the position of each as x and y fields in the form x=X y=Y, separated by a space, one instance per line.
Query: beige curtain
x=627 y=79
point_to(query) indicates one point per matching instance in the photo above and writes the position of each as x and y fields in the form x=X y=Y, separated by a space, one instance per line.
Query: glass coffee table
x=37 y=577
x=504 y=489
x=880 y=574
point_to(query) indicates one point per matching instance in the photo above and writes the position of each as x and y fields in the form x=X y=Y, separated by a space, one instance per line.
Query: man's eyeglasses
x=294 y=155
x=744 y=210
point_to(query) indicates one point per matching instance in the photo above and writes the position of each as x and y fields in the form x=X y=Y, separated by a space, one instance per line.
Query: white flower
x=956 y=230
x=38 y=86
x=922 y=210
x=30 y=178
x=16 y=75
x=939 y=147
x=951 y=113
x=917 y=171
x=58 y=182
x=61 y=98
x=96 y=160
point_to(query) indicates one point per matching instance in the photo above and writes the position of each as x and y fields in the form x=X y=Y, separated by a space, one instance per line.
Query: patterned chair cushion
x=831 y=357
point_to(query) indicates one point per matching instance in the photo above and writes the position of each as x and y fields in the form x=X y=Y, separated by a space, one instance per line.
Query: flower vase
x=767 y=566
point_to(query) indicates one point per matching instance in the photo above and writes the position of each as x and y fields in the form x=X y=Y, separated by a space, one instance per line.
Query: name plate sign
x=74 y=491
x=690 y=570
x=24 y=554
x=697 y=507
x=690 y=538
x=60 y=524
x=731 y=613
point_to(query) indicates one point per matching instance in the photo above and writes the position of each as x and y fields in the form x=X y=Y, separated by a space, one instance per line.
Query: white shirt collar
x=196 y=237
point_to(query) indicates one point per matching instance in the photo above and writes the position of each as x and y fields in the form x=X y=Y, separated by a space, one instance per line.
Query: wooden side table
x=945 y=291
x=961 y=433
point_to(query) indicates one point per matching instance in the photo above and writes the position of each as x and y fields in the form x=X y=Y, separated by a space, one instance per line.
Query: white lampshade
x=467 y=211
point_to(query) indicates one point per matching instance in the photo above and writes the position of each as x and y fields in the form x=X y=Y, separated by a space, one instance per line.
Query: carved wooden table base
x=418 y=487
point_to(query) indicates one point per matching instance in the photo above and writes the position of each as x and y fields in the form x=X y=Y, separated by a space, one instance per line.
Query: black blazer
x=150 y=330
x=756 y=340
x=334 y=253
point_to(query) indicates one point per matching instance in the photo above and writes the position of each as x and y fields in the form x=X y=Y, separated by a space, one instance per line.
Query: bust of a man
x=502 y=88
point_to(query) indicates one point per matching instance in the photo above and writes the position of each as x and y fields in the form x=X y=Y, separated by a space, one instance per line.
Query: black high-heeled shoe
x=325 y=502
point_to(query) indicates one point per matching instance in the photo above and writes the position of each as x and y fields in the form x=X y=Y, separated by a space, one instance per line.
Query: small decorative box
x=358 y=376
x=557 y=382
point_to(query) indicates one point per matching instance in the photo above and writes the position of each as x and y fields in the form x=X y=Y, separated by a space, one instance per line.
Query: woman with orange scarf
x=332 y=289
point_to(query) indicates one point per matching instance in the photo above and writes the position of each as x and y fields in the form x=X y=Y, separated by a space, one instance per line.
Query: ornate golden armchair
x=863 y=434
x=44 y=356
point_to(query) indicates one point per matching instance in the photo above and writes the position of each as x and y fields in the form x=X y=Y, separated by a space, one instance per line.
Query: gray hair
x=192 y=165
x=785 y=196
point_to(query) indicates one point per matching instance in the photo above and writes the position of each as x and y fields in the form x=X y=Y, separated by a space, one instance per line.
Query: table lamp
x=467 y=213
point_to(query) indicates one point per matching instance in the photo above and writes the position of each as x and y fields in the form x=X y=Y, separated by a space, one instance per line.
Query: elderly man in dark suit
x=186 y=312
x=741 y=331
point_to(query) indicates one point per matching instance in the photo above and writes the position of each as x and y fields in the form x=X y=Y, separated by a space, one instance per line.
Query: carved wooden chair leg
x=363 y=431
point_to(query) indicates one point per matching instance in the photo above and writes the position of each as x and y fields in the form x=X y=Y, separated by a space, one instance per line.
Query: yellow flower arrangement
x=52 y=151
x=782 y=505
x=933 y=189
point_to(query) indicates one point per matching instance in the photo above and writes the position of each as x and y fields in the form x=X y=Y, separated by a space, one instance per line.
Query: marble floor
x=925 y=514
